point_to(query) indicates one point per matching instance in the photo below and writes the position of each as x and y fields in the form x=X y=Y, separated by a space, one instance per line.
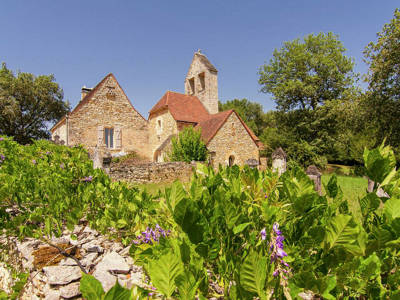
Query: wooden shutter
x=100 y=136
x=118 y=137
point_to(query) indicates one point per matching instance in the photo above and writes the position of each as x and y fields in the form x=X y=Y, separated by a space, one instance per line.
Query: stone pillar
x=98 y=157
x=279 y=161
x=252 y=163
x=263 y=164
x=370 y=186
x=315 y=175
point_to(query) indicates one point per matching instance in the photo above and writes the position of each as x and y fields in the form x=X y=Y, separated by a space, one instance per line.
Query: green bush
x=188 y=146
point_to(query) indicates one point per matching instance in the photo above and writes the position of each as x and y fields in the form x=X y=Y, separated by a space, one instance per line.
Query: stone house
x=105 y=117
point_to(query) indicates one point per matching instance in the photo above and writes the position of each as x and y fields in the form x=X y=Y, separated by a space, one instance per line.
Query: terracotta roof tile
x=182 y=107
x=211 y=125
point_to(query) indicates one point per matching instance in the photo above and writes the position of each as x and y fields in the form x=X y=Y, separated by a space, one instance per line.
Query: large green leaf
x=379 y=163
x=343 y=232
x=117 y=292
x=189 y=218
x=164 y=271
x=253 y=273
x=392 y=208
x=91 y=288
x=187 y=285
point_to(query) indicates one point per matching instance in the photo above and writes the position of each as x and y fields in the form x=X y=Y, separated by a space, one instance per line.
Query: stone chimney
x=85 y=91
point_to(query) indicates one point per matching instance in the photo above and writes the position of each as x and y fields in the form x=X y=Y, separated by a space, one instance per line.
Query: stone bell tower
x=202 y=81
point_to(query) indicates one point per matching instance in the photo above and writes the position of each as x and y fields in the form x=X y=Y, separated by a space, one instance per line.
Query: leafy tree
x=28 y=103
x=306 y=74
x=188 y=146
x=251 y=112
x=383 y=57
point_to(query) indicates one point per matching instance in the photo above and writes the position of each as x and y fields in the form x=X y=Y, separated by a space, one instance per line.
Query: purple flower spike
x=62 y=165
x=1 y=139
x=263 y=234
x=266 y=196
x=276 y=250
x=34 y=161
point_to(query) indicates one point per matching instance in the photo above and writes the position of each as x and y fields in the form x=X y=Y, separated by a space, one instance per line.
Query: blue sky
x=148 y=45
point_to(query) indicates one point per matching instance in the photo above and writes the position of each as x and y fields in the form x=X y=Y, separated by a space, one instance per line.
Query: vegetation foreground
x=253 y=233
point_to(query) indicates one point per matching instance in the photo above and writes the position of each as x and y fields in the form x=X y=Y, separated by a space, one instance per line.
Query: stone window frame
x=111 y=130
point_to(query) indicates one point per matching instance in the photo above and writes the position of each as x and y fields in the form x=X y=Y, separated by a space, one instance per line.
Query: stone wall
x=232 y=139
x=109 y=107
x=161 y=126
x=152 y=172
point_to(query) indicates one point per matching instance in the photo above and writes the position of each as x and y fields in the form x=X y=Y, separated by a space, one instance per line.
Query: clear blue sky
x=148 y=45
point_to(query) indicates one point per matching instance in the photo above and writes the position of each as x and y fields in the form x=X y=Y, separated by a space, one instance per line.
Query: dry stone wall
x=152 y=172
x=57 y=277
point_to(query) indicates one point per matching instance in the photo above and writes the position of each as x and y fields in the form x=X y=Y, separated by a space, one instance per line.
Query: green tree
x=251 y=112
x=188 y=146
x=28 y=104
x=383 y=57
x=306 y=74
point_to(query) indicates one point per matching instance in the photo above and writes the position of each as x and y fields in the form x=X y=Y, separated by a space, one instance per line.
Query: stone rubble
x=106 y=260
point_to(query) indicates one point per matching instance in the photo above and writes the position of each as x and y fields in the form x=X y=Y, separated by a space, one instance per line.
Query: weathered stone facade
x=105 y=118
x=161 y=125
x=107 y=107
x=202 y=81
x=232 y=144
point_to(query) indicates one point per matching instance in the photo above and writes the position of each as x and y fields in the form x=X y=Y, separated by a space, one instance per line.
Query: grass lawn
x=353 y=188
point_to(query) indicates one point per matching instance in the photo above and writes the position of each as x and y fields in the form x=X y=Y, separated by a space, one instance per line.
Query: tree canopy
x=305 y=74
x=28 y=103
x=383 y=57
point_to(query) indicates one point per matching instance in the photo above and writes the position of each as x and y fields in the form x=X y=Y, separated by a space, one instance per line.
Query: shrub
x=188 y=146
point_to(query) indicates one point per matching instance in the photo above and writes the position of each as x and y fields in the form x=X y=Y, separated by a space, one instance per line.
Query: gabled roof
x=182 y=107
x=89 y=96
x=211 y=125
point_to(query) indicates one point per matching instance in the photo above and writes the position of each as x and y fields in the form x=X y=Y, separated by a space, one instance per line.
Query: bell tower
x=202 y=81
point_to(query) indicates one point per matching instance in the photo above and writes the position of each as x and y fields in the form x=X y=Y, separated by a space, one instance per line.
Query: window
x=202 y=78
x=191 y=84
x=159 y=127
x=109 y=137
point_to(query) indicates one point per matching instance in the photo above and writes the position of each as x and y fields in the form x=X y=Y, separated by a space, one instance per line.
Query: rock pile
x=59 y=277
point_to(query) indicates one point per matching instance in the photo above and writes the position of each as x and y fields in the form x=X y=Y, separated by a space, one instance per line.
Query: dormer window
x=202 y=79
x=191 y=85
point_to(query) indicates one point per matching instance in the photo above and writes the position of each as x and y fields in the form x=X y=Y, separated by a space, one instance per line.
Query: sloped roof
x=205 y=61
x=89 y=96
x=182 y=107
x=211 y=125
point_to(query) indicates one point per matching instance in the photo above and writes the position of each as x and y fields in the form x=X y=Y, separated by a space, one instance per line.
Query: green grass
x=353 y=188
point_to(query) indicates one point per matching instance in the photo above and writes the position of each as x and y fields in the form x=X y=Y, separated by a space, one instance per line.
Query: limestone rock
x=60 y=275
x=92 y=247
x=106 y=279
x=5 y=279
x=71 y=290
x=114 y=263
x=52 y=295
x=88 y=259
x=68 y=262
